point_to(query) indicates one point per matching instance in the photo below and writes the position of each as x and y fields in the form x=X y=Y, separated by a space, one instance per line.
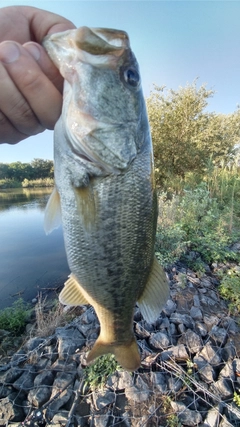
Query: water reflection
x=11 y=198
x=29 y=260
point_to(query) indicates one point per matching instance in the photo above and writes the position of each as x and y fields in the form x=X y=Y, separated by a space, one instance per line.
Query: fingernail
x=9 y=52
x=34 y=50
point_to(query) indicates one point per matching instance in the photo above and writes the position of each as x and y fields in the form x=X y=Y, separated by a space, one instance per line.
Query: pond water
x=30 y=261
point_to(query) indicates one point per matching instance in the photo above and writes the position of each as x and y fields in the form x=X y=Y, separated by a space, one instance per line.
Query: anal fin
x=155 y=294
x=72 y=294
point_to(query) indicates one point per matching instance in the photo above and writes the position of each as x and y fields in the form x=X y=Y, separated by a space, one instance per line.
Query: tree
x=184 y=135
x=19 y=171
x=42 y=168
x=4 y=170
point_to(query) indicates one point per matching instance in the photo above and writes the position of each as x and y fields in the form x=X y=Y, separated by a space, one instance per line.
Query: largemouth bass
x=104 y=187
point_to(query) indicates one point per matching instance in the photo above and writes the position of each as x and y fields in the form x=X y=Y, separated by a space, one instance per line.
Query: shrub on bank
x=9 y=183
x=41 y=182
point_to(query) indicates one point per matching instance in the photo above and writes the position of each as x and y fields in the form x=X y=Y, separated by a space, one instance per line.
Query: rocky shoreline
x=190 y=372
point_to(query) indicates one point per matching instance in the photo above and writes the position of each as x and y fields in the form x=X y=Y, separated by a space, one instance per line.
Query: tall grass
x=201 y=215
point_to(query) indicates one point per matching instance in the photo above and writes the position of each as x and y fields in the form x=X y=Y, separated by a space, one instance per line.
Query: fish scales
x=105 y=188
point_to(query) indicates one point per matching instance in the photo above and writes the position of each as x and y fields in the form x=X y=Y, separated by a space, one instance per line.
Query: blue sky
x=174 y=42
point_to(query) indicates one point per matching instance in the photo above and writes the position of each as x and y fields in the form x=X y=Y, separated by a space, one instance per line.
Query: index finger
x=27 y=23
x=42 y=22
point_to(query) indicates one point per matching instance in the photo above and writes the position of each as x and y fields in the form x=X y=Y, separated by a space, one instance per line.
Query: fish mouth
x=101 y=41
x=100 y=47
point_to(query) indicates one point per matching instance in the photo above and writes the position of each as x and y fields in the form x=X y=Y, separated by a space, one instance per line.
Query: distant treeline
x=39 y=172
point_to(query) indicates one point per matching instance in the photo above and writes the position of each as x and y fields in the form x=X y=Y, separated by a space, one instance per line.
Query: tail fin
x=127 y=355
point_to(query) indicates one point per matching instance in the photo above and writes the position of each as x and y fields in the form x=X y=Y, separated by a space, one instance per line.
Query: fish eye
x=131 y=77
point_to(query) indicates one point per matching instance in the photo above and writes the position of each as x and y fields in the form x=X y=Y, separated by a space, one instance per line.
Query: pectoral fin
x=86 y=206
x=155 y=294
x=72 y=293
x=52 y=218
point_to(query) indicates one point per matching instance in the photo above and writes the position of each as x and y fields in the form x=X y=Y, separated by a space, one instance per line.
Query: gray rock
x=60 y=419
x=173 y=329
x=11 y=375
x=159 y=341
x=69 y=340
x=50 y=352
x=139 y=392
x=196 y=313
x=125 y=380
x=224 y=422
x=41 y=392
x=230 y=325
x=233 y=413
x=100 y=420
x=236 y=366
x=10 y=409
x=177 y=352
x=181 y=328
x=40 y=395
x=44 y=378
x=33 y=343
x=86 y=328
x=222 y=388
x=64 y=379
x=205 y=370
x=163 y=323
x=213 y=416
x=174 y=384
x=91 y=338
x=206 y=282
x=19 y=357
x=219 y=335
x=140 y=330
x=158 y=382
x=228 y=371
x=201 y=329
x=185 y=415
x=196 y=300
x=169 y=307
x=212 y=294
x=192 y=341
x=103 y=398
x=229 y=351
x=185 y=319
x=5 y=391
x=206 y=300
x=210 y=321
x=211 y=354
x=59 y=402
x=26 y=381
x=88 y=316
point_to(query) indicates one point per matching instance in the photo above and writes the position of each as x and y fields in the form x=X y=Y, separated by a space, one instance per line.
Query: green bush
x=230 y=289
x=9 y=183
x=97 y=374
x=13 y=319
x=195 y=221
x=41 y=182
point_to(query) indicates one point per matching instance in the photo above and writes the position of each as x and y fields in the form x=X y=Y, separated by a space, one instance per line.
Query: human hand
x=30 y=84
